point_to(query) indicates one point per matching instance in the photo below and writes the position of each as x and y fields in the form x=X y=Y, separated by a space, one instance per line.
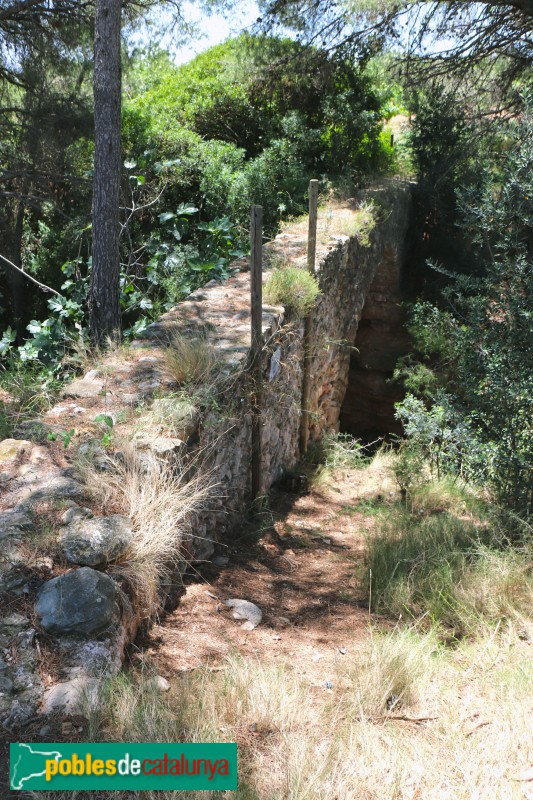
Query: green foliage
x=294 y=288
x=64 y=436
x=383 y=72
x=479 y=342
x=408 y=468
x=248 y=121
x=107 y=422
x=438 y=432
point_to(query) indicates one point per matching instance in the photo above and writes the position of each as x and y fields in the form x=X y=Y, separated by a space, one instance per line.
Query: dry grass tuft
x=189 y=358
x=160 y=505
x=334 y=220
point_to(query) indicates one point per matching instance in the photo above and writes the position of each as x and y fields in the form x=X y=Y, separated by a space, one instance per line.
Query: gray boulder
x=98 y=540
x=80 y=603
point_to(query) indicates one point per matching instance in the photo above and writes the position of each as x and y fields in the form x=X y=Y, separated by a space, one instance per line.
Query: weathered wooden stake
x=256 y=286
x=308 y=323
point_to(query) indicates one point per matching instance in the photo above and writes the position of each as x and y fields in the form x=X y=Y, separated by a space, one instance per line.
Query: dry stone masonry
x=56 y=579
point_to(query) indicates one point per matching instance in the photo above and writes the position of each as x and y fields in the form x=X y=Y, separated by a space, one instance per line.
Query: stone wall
x=40 y=480
x=347 y=270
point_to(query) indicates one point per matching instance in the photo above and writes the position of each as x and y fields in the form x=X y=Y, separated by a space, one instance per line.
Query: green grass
x=291 y=287
x=447 y=558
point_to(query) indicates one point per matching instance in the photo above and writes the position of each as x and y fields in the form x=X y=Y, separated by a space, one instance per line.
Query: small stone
x=221 y=561
x=75 y=513
x=89 y=449
x=160 y=683
x=13 y=624
x=243 y=609
x=44 y=562
x=81 y=602
x=99 y=540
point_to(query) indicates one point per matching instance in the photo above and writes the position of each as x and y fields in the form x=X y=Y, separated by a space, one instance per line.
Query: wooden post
x=308 y=323
x=256 y=288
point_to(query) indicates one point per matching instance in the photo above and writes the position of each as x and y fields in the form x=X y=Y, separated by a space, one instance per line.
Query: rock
x=202 y=548
x=161 y=446
x=91 y=375
x=6 y=685
x=13 y=624
x=22 y=710
x=24 y=679
x=75 y=513
x=34 y=429
x=221 y=561
x=99 y=540
x=68 y=695
x=44 y=562
x=159 y=683
x=87 y=387
x=90 y=449
x=294 y=482
x=15 y=523
x=13 y=449
x=56 y=487
x=243 y=609
x=14 y=582
x=81 y=602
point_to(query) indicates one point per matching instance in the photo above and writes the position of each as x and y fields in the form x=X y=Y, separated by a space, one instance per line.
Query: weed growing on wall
x=294 y=288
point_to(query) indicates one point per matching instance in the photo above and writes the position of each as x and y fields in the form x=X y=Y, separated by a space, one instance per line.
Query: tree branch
x=42 y=286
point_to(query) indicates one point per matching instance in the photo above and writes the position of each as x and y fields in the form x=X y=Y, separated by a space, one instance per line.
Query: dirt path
x=301 y=565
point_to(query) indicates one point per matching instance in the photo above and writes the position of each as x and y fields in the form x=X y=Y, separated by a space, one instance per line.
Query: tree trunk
x=104 y=293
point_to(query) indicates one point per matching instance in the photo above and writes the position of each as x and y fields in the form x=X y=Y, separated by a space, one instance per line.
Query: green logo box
x=93 y=766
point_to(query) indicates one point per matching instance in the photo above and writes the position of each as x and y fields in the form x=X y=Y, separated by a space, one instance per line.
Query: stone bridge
x=58 y=574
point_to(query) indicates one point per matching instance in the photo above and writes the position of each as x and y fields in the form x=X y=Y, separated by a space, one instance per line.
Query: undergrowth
x=450 y=557
x=400 y=713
